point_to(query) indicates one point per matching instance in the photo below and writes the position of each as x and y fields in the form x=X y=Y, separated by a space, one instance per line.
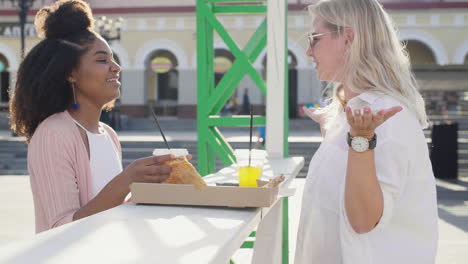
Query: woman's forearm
x=363 y=195
x=113 y=194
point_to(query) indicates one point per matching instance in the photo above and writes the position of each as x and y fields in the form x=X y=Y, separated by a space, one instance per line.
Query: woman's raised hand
x=363 y=123
x=313 y=114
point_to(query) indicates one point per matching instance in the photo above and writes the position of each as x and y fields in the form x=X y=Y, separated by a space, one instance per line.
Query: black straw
x=250 y=142
x=159 y=126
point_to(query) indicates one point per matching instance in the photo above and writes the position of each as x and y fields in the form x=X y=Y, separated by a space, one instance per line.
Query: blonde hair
x=376 y=60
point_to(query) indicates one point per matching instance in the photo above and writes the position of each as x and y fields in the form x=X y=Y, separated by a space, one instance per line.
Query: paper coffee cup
x=175 y=152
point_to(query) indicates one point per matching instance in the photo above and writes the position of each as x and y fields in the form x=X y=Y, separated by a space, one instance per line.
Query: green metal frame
x=211 y=98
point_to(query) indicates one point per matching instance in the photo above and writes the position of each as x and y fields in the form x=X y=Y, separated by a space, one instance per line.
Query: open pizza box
x=187 y=194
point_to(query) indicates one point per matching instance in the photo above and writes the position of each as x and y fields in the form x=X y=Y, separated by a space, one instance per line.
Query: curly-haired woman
x=62 y=85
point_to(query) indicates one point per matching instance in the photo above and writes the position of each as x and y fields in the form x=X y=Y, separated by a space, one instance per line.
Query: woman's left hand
x=364 y=124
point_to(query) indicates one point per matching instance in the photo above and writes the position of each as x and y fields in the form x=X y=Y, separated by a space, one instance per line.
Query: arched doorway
x=162 y=82
x=292 y=80
x=223 y=60
x=4 y=80
x=420 y=53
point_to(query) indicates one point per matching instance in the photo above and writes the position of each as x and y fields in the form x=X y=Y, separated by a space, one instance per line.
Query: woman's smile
x=113 y=80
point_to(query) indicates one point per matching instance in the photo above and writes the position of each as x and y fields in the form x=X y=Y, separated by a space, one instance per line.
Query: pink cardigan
x=59 y=169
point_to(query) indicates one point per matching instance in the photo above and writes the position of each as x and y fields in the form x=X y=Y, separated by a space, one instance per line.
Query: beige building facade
x=157 y=52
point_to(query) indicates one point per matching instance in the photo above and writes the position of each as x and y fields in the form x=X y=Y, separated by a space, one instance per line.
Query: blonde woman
x=370 y=192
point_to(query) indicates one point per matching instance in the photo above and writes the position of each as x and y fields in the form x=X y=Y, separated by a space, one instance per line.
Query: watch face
x=360 y=144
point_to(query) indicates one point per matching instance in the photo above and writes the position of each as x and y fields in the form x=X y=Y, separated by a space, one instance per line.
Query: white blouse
x=104 y=158
x=407 y=231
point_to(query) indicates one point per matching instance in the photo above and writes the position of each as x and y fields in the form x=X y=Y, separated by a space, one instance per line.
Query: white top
x=104 y=158
x=407 y=231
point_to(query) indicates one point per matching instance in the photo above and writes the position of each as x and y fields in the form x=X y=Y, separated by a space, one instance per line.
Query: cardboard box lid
x=186 y=194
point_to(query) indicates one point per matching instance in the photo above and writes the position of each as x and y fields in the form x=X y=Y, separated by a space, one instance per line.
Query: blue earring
x=75 y=105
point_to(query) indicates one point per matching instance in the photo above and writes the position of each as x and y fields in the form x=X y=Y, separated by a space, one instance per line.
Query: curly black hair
x=42 y=87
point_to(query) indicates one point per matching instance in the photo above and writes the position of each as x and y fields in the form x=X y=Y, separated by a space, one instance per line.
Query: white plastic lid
x=256 y=153
x=175 y=152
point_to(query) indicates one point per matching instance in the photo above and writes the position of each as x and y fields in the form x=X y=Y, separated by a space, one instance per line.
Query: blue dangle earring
x=75 y=105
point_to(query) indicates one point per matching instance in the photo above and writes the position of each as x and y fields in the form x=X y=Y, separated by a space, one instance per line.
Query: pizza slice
x=184 y=173
x=182 y=170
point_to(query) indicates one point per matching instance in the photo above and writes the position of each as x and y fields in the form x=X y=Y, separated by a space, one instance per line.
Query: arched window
x=420 y=53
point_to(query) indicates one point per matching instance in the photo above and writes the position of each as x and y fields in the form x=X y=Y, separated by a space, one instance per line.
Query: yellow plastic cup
x=248 y=176
x=249 y=172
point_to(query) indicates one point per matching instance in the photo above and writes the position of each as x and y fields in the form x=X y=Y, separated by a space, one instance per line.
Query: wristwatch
x=361 y=144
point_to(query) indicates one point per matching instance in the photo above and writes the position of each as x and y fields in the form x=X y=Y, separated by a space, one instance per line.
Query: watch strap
x=373 y=142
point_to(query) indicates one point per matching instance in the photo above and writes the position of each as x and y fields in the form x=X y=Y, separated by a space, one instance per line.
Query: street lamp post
x=23 y=7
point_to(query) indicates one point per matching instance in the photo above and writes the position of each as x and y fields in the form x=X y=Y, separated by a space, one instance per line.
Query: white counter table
x=133 y=233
